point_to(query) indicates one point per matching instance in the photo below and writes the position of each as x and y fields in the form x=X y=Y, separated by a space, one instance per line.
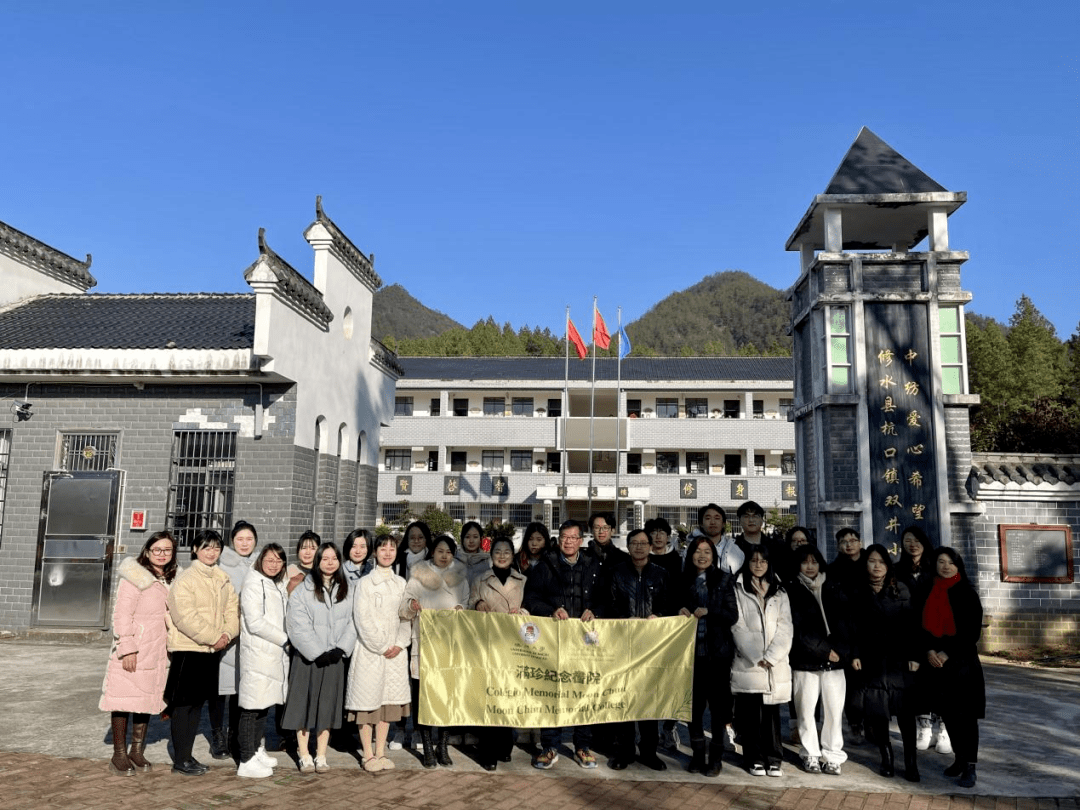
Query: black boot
x=968 y=778
x=442 y=752
x=138 y=746
x=697 y=758
x=887 y=768
x=429 y=747
x=955 y=769
x=219 y=743
x=716 y=762
x=120 y=764
x=911 y=766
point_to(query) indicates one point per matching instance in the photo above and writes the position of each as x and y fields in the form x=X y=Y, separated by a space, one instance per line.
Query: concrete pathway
x=54 y=744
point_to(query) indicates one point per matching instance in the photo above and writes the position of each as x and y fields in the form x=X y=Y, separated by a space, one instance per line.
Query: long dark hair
x=533 y=528
x=770 y=577
x=308 y=535
x=906 y=564
x=690 y=571
x=953 y=555
x=890 y=570
x=350 y=541
x=339 y=582
x=168 y=571
x=424 y=529
x=272 y=548
x=472 y=524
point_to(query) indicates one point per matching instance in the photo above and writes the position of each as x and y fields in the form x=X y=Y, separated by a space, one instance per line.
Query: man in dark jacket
x=602 y=527
x=637 y=589
x=564 y=586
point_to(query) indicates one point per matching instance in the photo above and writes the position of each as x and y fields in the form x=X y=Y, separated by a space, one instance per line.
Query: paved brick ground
x=36 y=781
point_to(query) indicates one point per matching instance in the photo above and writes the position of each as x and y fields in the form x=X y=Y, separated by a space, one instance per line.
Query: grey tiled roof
x=871 y=166
x=995 y=469
x=633 y=368
x=190 y=321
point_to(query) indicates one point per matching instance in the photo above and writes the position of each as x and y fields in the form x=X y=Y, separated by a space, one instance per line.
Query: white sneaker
x=254 y=769
x=670 y=739
x=320 y=765
x=729 y=738
x=265 y=758
x=944 y=744
x=924 y=735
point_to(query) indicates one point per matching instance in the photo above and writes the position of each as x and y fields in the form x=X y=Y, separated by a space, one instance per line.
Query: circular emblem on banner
x=592 y=639
x=530 y=633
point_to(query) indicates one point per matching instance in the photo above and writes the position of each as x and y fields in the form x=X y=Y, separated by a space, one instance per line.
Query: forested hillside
x=395 y=313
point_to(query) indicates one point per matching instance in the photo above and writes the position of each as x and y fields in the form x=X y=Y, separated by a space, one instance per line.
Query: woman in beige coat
x=204 y=616
x=500 y=589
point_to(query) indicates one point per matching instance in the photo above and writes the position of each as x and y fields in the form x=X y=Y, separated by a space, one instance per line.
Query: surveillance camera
x=23 y=405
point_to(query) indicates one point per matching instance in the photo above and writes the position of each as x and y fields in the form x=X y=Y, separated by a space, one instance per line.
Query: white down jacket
x=264 y=662
x=762 y=632
x=375 y=680
x=435 y=589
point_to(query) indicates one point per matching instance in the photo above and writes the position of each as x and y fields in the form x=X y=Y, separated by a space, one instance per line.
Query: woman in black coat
x=708 y=594
x=952 y=676
x=820 y=650
x=885 y=654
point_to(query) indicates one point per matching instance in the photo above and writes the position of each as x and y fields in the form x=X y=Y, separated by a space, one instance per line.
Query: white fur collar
x=133 y=572
x=433 y=578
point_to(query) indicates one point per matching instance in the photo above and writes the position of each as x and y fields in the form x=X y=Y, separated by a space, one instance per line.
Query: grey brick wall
x=367 y=488
x=1019 y=613
x=144 y=420
x=839 y=424
x=957 y=451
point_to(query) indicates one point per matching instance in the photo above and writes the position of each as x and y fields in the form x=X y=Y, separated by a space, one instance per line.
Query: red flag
x=573 y=336
x=600 y=334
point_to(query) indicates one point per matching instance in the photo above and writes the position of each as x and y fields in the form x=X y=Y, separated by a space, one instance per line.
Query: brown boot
x=120 y=764
x=138 y=746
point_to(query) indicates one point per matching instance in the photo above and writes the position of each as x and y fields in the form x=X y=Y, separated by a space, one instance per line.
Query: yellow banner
x=497 y=669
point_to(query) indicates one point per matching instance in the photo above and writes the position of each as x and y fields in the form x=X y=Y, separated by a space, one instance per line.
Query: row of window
x=492 y=406
x=666 y=407
x=697 y=462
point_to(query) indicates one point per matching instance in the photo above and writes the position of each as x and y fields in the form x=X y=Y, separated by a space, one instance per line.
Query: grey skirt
x=316 y=697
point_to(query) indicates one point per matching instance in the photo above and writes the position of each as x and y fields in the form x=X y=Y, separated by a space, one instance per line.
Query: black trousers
x=713 y=691
x=250 y=731
x=184 y=727
x=759 y=725
x=964 y=735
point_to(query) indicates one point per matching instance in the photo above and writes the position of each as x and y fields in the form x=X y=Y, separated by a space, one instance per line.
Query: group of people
x=332 y=640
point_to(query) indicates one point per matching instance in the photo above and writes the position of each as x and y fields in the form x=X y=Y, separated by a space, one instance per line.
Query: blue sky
x=510 y=158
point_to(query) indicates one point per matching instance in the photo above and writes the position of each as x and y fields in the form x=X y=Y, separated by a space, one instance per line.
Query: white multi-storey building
x=511 y=438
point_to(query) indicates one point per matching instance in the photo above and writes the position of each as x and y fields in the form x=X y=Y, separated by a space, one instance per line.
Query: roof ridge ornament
x=362 y=266
x=291 y=285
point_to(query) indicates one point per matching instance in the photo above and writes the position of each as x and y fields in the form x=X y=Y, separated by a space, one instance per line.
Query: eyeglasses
x=161 y=552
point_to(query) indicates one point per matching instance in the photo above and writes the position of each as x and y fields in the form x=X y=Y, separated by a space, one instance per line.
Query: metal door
x=77 y=535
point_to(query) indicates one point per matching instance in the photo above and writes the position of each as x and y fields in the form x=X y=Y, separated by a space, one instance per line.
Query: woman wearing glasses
x=138 y=661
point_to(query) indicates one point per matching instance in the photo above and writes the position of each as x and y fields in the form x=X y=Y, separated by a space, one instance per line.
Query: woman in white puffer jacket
x=264 y=657
x=760 y=673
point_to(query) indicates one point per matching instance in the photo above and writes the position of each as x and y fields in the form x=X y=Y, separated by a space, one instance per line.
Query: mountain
x=396 y=313
x=727 y=313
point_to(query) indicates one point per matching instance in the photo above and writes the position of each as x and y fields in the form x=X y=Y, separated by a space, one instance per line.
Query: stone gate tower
x=881 y=391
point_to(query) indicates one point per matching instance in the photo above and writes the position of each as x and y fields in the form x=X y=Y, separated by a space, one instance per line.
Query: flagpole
x=565 y=410
x=592 y=403
x=618 y=414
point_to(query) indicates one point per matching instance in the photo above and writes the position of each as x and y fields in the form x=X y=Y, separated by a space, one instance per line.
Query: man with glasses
x=565 y=586
x=637 y=589
x=602 y=527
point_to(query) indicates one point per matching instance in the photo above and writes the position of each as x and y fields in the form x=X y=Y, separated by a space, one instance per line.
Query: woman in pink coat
x=138 y=663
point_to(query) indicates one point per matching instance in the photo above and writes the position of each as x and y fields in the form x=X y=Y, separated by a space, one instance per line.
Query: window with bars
x=456 y=511
x=672 y=514
x=201 y=482
x=521 y=514
x=953 y=349
x=392 y=512
x=5 y=459
x=490 y=512
x=88 y=452
x=398 y=460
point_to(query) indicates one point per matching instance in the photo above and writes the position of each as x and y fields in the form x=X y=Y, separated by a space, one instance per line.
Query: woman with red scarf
x=951 y=620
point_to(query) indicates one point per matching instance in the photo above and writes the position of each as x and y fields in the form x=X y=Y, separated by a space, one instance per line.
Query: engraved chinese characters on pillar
x=899 y=403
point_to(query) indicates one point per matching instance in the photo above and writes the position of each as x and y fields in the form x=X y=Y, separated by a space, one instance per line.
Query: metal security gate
x=77 y=535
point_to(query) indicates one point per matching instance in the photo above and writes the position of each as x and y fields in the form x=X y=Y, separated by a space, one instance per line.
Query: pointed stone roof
x=871 y=166
x=885 y=199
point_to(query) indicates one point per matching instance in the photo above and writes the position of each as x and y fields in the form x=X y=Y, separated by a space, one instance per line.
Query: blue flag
x=624 y=343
